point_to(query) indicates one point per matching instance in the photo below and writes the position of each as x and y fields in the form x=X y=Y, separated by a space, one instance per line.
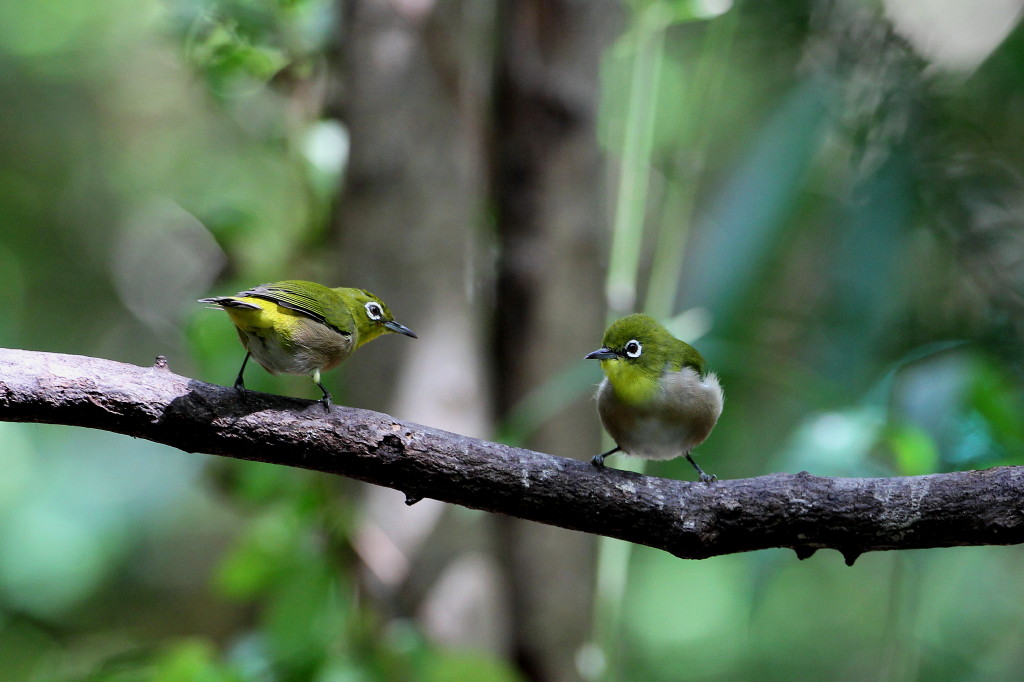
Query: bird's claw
x=598 y=461
x=706 y=478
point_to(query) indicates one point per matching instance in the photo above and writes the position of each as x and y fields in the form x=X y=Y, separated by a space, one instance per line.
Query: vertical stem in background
x=900 y=652
x=627 y=238
x=677 y=216
x=667 y=262
x=631 y=195
x=621 y=291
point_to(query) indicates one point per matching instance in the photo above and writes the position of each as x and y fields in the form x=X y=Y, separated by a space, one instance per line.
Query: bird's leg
x=598 y=460
x=704 y=478
x=240 y=382
x=326 y=400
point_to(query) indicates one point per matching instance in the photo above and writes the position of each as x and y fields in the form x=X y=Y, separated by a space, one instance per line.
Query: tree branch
x=690 y=520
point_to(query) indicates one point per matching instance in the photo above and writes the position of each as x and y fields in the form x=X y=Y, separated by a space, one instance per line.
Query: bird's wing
x=317 y=305
x=685 y=355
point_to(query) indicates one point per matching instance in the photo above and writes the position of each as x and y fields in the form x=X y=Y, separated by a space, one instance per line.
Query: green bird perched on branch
x=298 y=327
x=657 y=400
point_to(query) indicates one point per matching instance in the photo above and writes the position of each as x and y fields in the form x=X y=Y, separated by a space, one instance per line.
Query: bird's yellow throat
x=632 y=384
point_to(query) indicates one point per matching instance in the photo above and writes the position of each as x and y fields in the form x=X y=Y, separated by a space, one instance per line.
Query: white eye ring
x=633 y=349
x=373 y=311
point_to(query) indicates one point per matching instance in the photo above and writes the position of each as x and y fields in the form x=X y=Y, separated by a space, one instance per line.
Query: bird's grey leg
x=704 y=478
x=239 y=381
x=326 y=400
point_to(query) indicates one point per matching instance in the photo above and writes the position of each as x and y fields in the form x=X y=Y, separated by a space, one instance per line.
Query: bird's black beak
x=400 y=328
x=602 y=354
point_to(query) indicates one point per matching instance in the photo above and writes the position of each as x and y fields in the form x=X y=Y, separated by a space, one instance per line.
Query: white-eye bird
x=657 y=400
x=299 y=327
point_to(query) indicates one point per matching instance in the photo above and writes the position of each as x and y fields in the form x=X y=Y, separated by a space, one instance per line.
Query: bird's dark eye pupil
x=633 y=349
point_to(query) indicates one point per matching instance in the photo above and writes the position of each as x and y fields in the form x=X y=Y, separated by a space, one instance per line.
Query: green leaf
x=260 y=556
x=192 y=661
x=915 y=451
x=465 y=667
x=306 y=618
x=1000 y=403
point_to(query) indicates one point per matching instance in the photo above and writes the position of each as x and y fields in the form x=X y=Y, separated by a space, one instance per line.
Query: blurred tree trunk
x=417 y=93
x=551 y=211
x=414 y=93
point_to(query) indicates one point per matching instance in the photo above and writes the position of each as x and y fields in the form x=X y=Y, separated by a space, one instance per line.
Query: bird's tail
x=229 y=302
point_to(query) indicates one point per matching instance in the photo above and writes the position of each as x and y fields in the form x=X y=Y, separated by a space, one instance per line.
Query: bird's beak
x=399 y=328
x=601 y=354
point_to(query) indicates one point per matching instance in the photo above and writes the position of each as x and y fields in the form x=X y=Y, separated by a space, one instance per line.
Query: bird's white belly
x=677 y=420
x=276 y=359
x=653 y=438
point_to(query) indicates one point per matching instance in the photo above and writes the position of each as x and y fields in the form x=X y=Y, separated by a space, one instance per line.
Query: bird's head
x=371 y=315
x=636 y=351
x=636 y=341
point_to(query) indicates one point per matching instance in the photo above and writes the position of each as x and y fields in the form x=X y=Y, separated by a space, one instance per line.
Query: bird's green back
x=316 y=301
x=685 y=355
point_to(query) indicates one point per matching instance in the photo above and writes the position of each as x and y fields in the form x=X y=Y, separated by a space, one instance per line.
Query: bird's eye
x=373 y=311
x=633 y=349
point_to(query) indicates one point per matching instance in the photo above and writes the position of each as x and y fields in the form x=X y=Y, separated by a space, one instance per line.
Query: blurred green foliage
x=834 y=222
x=148 y=150
x=861 y=319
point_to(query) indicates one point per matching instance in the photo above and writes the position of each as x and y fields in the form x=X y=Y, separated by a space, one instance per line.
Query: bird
x=300 y=327
x=657 y=400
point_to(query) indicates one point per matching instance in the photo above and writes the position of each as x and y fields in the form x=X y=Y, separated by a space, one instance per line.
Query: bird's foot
x=598 y=460
x=704 y=478
x=326 y=400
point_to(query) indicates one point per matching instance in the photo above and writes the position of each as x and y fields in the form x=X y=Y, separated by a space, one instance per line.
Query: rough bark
x=691 y=520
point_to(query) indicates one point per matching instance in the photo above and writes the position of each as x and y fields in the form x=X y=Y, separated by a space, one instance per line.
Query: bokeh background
x=824 y=196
